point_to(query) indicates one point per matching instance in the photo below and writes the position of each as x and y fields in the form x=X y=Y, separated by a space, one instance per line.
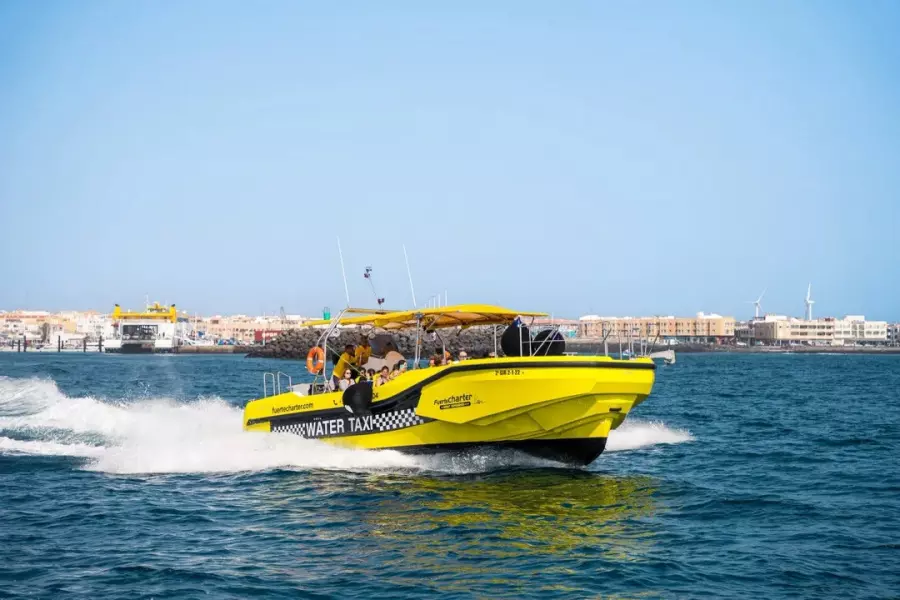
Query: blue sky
x=595 y=157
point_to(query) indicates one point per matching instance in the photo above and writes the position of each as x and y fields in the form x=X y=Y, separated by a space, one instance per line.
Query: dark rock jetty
x=296 y=343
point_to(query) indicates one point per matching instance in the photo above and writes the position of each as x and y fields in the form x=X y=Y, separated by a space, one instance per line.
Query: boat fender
x=548 y=342
x=315 y=360
x=509 y=341
x=358 y=398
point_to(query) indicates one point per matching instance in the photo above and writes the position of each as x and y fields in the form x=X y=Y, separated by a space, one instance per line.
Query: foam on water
x=634 y=434
x=163 y=435
x=46 y=448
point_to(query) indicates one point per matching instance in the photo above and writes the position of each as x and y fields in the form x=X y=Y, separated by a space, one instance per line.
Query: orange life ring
x=315 y=360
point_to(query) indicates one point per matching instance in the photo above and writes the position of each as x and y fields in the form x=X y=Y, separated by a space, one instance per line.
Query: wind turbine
x=757 y=303
x=809 y=303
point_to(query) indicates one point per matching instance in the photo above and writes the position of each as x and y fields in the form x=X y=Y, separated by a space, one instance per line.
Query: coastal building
x=567 y=327
x=71 y=327
x=893 y=334
x=851 y=330
x=777 y=329
x=854 y=329
x=244 y=329
x=704 y=328
x=70 y=324
x=92 y=324
x=743 y=332
x=22 y=322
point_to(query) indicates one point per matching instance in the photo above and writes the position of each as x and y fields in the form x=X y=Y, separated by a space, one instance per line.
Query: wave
x=632 y=435
x=162 y=435
x=46 y=448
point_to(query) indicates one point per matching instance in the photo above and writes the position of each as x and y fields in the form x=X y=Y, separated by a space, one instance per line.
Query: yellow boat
x=535 y=399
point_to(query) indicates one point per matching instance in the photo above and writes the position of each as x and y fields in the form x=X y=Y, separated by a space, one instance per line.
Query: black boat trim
x=394 y=402
x=576 y=451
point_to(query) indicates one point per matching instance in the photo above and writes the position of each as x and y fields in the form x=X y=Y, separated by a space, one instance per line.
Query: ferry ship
x=157 y=329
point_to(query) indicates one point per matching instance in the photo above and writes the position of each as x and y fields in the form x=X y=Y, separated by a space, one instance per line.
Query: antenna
x=368 y=275
x=409 y=273
x=809 y=303
x=343 y=274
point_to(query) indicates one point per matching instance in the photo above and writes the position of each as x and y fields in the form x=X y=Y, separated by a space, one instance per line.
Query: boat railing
x=544 y=344
x=266 y=377
x=322 y=343
x=276 y=379
x=529 y=345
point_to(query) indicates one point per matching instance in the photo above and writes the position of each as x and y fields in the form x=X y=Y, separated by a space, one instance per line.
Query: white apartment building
x=780 y=329
x=854 y=329
x=94 y=325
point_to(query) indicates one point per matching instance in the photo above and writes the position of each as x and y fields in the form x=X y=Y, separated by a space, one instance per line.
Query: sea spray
x=162 y=435
x=635 y=434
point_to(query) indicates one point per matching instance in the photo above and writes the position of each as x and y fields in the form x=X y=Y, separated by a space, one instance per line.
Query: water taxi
x=532 y=397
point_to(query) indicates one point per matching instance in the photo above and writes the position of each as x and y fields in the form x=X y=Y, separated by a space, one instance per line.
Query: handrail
x=265 y=384
x=276 y=377
x=323 y=343
x=546 y=340
x=279 y=375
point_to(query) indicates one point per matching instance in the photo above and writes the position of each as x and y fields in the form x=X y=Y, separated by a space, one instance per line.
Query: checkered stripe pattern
x=289 y=428
x=397 y=419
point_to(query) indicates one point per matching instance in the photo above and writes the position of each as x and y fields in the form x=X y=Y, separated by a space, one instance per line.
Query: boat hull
x=561 y=408
x=581 y=452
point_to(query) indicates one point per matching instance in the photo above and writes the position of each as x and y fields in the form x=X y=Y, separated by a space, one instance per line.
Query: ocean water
x=741 y=476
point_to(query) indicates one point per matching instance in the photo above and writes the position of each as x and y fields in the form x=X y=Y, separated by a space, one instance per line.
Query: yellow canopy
x=154 y=311
x=465 y=315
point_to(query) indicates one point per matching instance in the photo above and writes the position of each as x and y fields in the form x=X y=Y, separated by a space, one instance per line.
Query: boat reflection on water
x=465 y=533
x=539 y=511
x=460 y=533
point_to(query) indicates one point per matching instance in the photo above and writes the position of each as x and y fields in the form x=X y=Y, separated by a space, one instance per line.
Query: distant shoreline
x=584 y=346
x=597 y=346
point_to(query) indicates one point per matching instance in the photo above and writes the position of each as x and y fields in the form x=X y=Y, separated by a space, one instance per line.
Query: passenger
x=431 y=362
x=362 y=376
x=346 y=380
x=399 y=369
x=371 y=375
x=363 y=351
x=463 y=356
x=383 y=377
x=346 y=361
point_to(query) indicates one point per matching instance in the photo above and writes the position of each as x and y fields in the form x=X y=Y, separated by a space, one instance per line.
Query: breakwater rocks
x=295 y=343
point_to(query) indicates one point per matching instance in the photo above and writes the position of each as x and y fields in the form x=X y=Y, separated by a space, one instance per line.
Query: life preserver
x=315 y=360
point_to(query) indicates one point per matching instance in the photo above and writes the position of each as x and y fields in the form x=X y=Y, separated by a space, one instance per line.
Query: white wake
x=206 y=436
x=634 y=434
